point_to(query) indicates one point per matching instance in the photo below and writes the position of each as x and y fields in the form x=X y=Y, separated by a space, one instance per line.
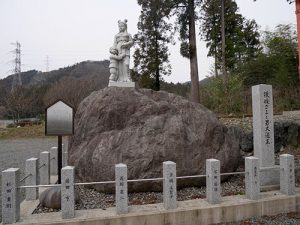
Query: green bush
x=224 y=96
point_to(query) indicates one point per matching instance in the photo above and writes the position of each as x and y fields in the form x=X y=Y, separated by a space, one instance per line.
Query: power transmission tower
x=17 y=81
x=47 y=63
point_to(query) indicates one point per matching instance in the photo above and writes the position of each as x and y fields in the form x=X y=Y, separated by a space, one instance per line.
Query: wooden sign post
x=59 y=122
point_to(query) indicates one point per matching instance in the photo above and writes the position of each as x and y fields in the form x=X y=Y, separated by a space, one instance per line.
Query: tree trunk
x=195 y=96
x=298 y=29
x=216 y=62
x=157 y=82
x=223 y=39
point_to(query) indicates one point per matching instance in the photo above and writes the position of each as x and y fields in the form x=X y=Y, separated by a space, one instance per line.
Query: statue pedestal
x=121 y=84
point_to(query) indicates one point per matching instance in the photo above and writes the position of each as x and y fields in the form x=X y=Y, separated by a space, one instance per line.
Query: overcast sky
x=71 y=31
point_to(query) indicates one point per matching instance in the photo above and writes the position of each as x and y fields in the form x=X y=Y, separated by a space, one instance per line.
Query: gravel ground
x=246 y=122
x=13 y=153
x=91 y=199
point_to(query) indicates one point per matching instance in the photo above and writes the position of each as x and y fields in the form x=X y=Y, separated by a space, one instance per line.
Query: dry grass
x=35 y=131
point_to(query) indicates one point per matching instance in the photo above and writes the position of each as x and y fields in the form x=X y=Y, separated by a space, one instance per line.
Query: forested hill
x=72 y=84
x=88 y=70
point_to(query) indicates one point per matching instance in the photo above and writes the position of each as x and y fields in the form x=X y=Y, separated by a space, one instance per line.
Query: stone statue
x=120 y=58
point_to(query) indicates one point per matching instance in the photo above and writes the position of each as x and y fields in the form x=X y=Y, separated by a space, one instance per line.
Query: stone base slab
x=196 y=212
x=270 y=176
x=121 y=84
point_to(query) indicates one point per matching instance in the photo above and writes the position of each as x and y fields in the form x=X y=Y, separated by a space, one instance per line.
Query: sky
x=71 y=31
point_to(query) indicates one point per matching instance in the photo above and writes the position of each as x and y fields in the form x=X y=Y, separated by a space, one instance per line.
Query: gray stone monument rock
x=143 y=128
x=51 y=198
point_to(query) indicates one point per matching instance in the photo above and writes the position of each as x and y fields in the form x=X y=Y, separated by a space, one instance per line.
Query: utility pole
x=223 y=39
x=17 y=80
x=47 y=63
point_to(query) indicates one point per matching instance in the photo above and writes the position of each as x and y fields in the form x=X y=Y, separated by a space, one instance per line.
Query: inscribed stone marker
x=31 y=167
x=169 y=185
x=287 y=174
x=121 y=189
x=213 y=182
x=67 y=192
x=252 y=179
x=263 y=133
x=10 y=196
x=263 y=124
x=44 y=168
x=53 y=161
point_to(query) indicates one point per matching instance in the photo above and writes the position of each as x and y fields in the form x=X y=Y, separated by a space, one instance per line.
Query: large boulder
x=143 y=128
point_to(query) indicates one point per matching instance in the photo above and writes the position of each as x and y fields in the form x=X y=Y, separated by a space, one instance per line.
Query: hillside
x=88 y=70
x=72 y=84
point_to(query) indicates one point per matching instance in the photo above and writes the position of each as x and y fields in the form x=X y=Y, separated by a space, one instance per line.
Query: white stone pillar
x=31 y=167
x=252 y=178
x=169 y=185
x=10 y=196
x=263 y=132
x=287 y=174
x=64 y=156
x=263 y=125
x=44 y=168
x=213 y=181
x=121 y=189
x=67 y=192
x=53 y=160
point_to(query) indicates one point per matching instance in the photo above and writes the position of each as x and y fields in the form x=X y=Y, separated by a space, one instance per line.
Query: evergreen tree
x=151 y=57
x=186 y=18
x=242 y=36
x=156 y=10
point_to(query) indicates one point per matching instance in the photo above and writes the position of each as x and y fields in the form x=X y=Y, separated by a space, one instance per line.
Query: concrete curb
x=231 y=209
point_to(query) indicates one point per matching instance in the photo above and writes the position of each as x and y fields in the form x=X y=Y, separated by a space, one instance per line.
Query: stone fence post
x=252 y=178
x=213 y=182
x=121 y=189
x=169 y=185
x=287 y=174
x=67 y=192
x=53 y=160
x=31 y=167
x=44 y=168
x=10 y=196
x=64 y=156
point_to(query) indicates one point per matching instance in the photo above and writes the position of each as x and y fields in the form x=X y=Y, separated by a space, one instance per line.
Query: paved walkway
x=13 y=153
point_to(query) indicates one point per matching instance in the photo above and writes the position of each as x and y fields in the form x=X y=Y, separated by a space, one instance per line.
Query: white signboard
x=59 y=119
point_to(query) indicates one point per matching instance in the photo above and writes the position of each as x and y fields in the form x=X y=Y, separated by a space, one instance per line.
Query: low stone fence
x=38 y=175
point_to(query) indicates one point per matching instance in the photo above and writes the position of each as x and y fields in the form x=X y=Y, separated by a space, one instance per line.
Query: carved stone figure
x=120 y=57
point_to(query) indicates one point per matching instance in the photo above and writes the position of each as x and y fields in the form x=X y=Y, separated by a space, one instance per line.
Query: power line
x=17 y=80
